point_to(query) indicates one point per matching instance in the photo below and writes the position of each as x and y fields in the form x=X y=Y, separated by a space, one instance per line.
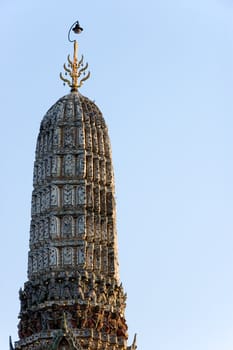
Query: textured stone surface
x=72 y=262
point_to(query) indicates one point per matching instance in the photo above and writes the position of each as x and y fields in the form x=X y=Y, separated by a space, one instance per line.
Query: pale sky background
x=162 y=74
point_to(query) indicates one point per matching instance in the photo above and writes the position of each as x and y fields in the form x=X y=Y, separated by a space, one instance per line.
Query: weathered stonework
x=73 y=298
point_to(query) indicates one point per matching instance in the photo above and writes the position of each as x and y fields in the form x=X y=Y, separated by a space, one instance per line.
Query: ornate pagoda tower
x=73 y=299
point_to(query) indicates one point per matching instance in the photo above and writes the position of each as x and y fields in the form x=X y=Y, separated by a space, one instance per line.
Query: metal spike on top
x=75 y=68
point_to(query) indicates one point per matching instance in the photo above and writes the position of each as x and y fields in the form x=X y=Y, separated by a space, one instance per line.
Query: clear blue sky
x=162 y=73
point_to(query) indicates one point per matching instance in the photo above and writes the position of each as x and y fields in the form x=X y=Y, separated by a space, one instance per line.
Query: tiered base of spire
x=92 y=307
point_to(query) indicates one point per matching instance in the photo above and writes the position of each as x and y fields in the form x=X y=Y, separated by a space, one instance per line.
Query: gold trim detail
x=75 y=69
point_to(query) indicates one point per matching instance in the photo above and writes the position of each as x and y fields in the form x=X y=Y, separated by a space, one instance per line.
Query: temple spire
x=75 y=68
x=73 y=298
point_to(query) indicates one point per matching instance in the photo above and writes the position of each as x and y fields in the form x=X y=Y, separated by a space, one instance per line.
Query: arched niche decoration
x=68 y=195
x=54 y=227
x=69 y=165
x=81 y=195
x=67 y=228
x=54 y=196
x=81 y=225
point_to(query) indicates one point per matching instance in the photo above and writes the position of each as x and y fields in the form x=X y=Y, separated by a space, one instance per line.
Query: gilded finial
x=76 y=67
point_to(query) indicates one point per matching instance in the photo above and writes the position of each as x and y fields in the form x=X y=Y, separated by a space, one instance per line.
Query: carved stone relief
x=78 y=112
x=89 y=194
x=104 y=232
x=68 y=137
x=56 y=137
x=90 y=225
x=41 y=230
x=53 y=292
x=46 y=228
x=81 y=253
x=94 y=140
x=111 y=261
x=36 y=232
x=38 y=146
x=33 y=205
x=69 y=165
x=81 y=225
x=56 y=166
x=35 y=170
x=107 y=150
x=111 y=233
x=101 y=141
x=104 y=259
x=38 y=203
x=96 y=169
x=69 y=111
x=29 y=263
x=45 y=257
x=88 y=138
x=66 y=291
x=109 y=202
x=34 y=262
x=96 y=199
x=97 y=228
x=47 y=199
x=56 y=112
x=48 y=167
x=40 y=259
x=39 y=172
x=43 y=201
x=40 y=141
x=89 y=166
x=54 y=196
x=80 y=165
x=54 y=227
x=68 y=195
x=50 y=140
x=67 y=255
x=32 y=233
x=80 y=193
x=45 y=141
x=53 y=256
x=109 y=177
x=42 y=171
x=103 y=201
x=67 y=229
x=97 y=257
x=102 y=172
x=90 y=253
x=80 y=137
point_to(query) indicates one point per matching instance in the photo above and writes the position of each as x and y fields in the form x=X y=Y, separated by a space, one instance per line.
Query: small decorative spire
x=65 y=326
x=10 y=343
x=75 y=68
